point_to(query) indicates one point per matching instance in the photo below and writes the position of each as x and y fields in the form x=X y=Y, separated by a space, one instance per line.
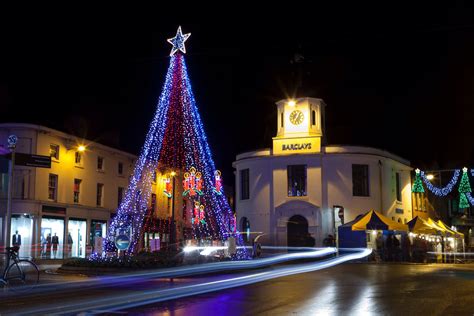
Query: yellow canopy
x=433 y=224
x=449 y=230
x=376 y=221
x=419 y=226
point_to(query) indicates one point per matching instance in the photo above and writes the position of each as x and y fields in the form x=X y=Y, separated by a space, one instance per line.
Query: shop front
x=22 y=234
x=52 y=237
x=76 y=238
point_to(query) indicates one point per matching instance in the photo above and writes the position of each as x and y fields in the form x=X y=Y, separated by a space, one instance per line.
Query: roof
x=329 y=150
x=64 y=135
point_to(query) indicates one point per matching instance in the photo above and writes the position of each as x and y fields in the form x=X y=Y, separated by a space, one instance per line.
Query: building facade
x=301 y=186
x=68 y=204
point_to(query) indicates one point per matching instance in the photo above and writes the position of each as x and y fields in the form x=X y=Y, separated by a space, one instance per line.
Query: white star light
x=178 y=41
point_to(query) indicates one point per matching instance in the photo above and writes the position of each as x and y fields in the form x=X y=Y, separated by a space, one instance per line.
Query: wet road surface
x=348 y=289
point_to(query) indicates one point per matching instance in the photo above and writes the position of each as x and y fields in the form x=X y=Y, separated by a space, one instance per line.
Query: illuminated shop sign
x=301 y=145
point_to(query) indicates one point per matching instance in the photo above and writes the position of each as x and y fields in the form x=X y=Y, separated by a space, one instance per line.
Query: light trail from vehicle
x=122 y=301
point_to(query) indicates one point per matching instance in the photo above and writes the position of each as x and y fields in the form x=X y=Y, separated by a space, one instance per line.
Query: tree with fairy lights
x=464 y=187
x=176 y=141
x=418 y=185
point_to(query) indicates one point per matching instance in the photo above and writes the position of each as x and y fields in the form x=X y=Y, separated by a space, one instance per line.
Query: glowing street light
x=81 y=148
x=429 y=176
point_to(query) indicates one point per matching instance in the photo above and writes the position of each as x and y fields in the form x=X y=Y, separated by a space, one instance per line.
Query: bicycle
x=19 y=273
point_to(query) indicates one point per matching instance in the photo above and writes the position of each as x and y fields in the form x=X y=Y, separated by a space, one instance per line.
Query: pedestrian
x=327 y=242
x=379 y=245
x=389 y=247
x=406 y=248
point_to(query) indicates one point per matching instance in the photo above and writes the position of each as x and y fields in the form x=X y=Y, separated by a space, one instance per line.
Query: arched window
x=313 y=117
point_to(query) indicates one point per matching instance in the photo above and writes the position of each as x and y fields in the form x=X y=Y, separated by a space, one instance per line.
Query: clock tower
x=300 y=126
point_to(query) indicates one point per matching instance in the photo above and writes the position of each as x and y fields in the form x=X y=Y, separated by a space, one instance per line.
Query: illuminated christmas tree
x=418 y=185
x=176 y=141
x=464 y=187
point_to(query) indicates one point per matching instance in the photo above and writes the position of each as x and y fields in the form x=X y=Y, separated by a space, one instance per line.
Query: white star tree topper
x=178 y=41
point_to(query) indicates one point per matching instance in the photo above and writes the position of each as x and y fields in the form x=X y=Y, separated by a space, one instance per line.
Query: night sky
x=400 y=79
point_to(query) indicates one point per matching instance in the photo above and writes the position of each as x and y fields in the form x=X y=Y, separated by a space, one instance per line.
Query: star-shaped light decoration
x=178 y=41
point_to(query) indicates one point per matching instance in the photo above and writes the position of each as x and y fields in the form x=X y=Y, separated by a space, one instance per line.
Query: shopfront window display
x=98 y=229
x=52 y=235
x=21 y=228
x=76 y=238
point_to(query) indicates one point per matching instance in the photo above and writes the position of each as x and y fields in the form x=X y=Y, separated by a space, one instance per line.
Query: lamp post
x=12 y=139
x=173 y=224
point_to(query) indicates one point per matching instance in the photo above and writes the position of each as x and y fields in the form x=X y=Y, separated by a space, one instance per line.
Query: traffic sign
x=12 y=139
x=122 y=242
x=32 y=160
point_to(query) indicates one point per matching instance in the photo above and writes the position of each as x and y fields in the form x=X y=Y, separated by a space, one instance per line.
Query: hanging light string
x=441 y=191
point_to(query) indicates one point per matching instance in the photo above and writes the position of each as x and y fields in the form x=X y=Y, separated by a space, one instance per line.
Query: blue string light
x=176 y=109
x=445 y=190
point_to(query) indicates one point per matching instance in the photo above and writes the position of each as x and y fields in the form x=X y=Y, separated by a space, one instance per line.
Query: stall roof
x=373 y=220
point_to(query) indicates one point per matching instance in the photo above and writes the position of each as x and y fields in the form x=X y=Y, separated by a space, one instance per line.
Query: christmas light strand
x=445 y=190
x=176 y=140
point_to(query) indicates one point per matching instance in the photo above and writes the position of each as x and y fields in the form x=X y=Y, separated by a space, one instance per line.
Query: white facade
x=40 y=207
x=268 y=206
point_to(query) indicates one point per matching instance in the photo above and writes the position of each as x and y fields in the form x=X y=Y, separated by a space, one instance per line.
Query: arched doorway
x=297 y=231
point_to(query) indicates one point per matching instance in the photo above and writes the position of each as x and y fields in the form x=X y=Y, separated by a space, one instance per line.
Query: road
x=78 y=294
x=347 y=289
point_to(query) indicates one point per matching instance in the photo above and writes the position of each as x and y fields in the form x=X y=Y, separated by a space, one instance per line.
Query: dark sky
x=396 y=78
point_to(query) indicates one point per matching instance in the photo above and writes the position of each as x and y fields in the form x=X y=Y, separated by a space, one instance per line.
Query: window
x=398 y=187
x=78 y=158
x=100 y=163
x=154 y=177
x=360 y=180
x=54 y=151
x=281 y=119
x=120 y=168
x=120 y=196
x=153 y=203
x=313 y=117
x=52 y=186
x=296 y=180
x=77 y=190
x=244 y=184
x=100 y=192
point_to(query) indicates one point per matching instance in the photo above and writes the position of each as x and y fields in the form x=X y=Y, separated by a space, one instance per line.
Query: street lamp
x=81 y=148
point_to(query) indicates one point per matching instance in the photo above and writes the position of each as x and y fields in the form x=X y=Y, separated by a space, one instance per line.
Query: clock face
x=296 y=117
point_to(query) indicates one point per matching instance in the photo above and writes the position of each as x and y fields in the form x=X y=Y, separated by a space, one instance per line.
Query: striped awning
x=373 y=220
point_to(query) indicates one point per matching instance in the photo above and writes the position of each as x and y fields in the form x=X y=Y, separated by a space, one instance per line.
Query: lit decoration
x=199 y=216
x=192 y=183
x=168 y=191
x=470 y=197
x=178 y=42
x=441 y=191
x=202 y=215
x=418 y=185
x=175 y=141
x=218 y=184
x=464 y=187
